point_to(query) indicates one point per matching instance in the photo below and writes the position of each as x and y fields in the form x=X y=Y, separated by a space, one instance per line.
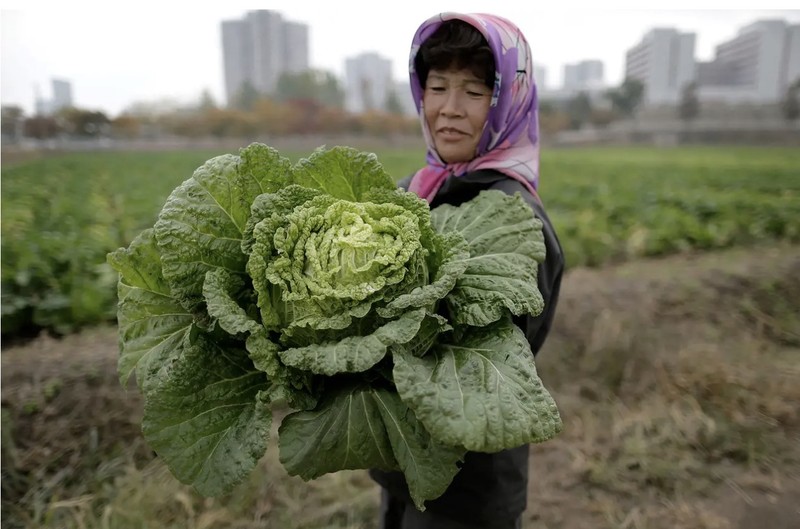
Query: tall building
x=259 y=48
x=368 y=80
x=583 y=76
x=755 y=66
x=62 y=94
x=237 y=57
x=296 y=42
x=62 y=98
x=266 y=30
x=664 y=62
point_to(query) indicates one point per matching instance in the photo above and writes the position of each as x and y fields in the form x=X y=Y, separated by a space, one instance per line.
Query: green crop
x=384 y=325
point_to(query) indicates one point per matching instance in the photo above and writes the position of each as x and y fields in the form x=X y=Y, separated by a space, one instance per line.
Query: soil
x=65 y=412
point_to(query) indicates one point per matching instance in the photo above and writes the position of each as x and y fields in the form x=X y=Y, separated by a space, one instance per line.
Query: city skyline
x=121 y=73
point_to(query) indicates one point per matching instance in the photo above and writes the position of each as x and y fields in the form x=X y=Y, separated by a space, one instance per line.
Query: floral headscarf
x=510 y=139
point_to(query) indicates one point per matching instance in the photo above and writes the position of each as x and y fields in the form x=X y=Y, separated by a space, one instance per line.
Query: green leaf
x=451 y=258
x=273 y=208
x=409 y=202
x=360 y=427
x=429 y=331
x=342 y=172
x=506 y=245
x=152 y=324
x=288 y=384
x=263 y=170
x=482 y=393
x=208 y=417
x=428 y=465
x=201 y=225
x=354 y=354
x=221 y=289
x=345 y=431
x=264 y=353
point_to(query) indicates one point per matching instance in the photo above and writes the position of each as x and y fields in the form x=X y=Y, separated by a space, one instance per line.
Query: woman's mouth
x=449 y=133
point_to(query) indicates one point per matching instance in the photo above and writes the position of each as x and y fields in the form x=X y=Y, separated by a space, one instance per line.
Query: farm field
x=62 y=215
x=673 y=357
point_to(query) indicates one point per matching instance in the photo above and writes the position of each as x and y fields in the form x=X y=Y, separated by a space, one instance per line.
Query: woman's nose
x=452 y=106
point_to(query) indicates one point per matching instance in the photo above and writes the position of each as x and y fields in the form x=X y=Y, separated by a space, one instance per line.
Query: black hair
x=456 y=45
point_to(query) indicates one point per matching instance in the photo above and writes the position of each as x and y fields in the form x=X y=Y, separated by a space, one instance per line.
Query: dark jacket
x=492 y=487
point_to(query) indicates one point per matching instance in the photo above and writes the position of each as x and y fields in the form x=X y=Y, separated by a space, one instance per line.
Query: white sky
x=115 y=55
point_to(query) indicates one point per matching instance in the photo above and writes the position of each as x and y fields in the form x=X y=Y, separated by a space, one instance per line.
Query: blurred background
x=669 y=167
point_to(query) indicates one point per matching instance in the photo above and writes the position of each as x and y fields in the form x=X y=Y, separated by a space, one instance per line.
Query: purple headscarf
x=510 y=139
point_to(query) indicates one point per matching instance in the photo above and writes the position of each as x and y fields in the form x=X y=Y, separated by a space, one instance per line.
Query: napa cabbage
x=384 y=327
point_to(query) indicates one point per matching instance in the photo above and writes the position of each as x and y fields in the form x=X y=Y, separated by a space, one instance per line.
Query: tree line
x=312 y=102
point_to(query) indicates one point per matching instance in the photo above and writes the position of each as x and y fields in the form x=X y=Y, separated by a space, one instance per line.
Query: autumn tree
x=790 y=105
x=41 y=127
x=207 y=101
x=319 y=86
x=552 y=119
x=126 y=126
x=83 y=122
x=12 y=119
x=626 y=98
x=579 y=110
x=393 y=105
x=689 y=105
x=247 y=97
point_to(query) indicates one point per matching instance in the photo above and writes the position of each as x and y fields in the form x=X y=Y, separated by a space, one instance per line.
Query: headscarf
x=510 y=139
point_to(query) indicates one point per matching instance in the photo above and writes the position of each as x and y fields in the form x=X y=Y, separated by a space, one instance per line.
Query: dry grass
x=677 y=380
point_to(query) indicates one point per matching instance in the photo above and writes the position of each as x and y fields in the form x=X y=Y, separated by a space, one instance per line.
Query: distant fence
x=666 y=133
x=659 y=133
x=172 y=143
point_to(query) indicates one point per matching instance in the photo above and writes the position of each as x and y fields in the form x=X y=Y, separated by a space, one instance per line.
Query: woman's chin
x=454 y=154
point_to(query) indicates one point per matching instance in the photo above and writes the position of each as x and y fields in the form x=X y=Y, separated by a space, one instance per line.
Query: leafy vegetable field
x=62 y=215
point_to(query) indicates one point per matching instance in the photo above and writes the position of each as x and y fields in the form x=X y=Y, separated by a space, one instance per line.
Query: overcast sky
x=114 y=56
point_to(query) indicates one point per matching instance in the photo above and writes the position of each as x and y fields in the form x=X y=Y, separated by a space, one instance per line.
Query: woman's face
x=456 y=107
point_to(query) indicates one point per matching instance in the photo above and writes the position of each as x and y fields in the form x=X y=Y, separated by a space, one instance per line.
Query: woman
x=472 y=80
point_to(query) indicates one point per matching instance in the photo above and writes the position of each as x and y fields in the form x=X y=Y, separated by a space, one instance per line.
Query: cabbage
x=384 y=326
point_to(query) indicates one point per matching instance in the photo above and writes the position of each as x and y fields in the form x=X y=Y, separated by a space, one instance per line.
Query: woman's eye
x=437 y=89
x=475 y=94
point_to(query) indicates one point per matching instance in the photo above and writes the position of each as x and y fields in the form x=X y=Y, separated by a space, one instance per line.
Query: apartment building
x=664 y=62
x=584 y=76
x=368 y=82
x=259 y=48
x=62 y=98
x=756 y=66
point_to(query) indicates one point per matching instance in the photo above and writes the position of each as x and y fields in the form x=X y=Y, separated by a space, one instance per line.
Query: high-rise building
x=664 y=62
x=757 y=65
x=62 y=98
x=259 y=48
x=237 y=57
x=583 y=76
x=368 y=81
x=62 y=94
x=296 y=47
x=266 y=29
